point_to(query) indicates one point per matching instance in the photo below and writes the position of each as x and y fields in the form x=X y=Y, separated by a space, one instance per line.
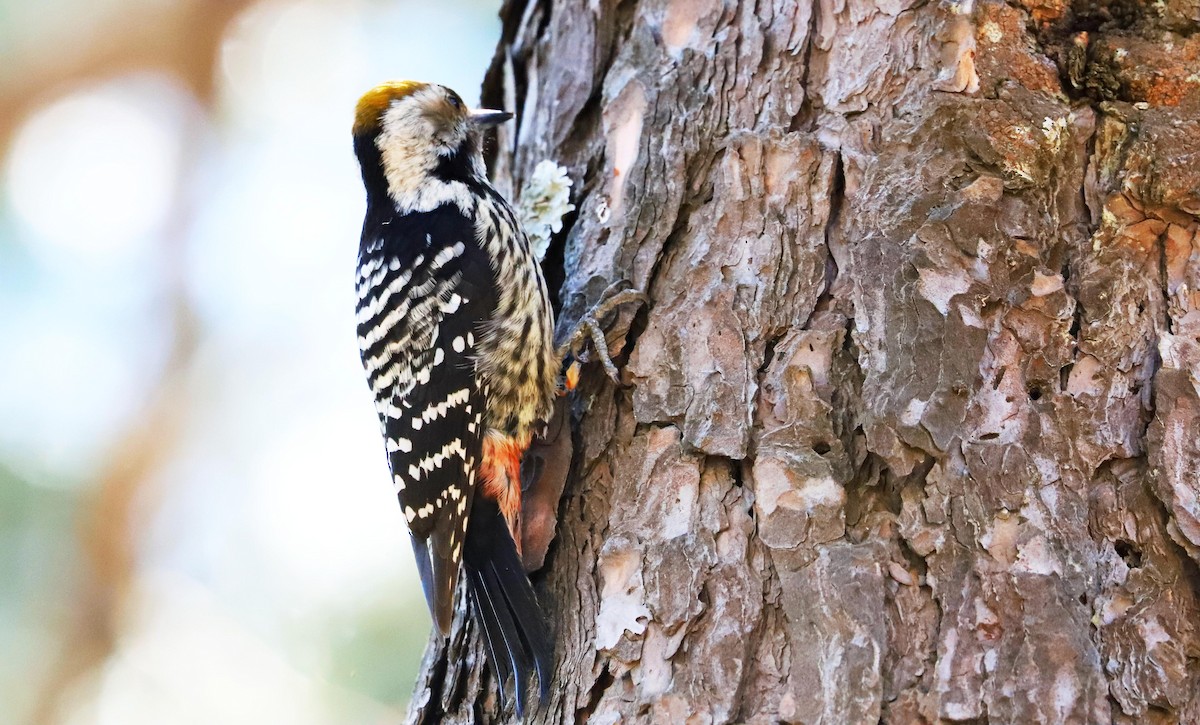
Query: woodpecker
x=455 y=330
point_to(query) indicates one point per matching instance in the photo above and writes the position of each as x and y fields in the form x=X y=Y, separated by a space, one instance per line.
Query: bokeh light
x=92 y=174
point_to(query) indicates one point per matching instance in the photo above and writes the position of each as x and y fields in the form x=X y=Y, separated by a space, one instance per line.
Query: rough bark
x=909 y=431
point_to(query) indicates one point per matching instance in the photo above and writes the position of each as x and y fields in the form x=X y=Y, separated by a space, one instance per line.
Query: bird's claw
x=588 y=328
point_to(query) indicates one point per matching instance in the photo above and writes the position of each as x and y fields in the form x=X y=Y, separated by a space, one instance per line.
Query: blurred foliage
x=38 y=569
x=374 y=640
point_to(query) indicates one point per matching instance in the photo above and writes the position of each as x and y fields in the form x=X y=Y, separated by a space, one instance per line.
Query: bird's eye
x=455 y=101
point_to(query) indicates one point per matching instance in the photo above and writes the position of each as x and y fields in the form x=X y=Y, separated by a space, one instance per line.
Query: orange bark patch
x=1123 y=209
x=1182 y=244
x=1161 y=72
x=1045 y=12
x=1142 y=236
x=1002 y=52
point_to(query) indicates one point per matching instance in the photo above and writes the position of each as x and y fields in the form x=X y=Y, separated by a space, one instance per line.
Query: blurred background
x=196 y=522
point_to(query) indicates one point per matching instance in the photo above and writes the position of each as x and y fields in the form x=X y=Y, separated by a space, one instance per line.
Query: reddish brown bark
x=908 y=432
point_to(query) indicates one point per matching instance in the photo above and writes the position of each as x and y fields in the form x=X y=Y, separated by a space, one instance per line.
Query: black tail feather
x=501 y=633
x=504 y=605
x=488 y=613
x=535 y=633
x=438 y=576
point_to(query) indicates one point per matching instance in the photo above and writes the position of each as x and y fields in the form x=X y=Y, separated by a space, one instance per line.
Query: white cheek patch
x=411 y=148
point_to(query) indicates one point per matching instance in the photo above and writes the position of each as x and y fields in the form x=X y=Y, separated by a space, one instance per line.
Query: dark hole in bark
x=1130 y=552
x=821 y=448
x=603 y=682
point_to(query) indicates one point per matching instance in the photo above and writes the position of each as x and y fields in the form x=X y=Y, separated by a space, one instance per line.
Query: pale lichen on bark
x=909 y=431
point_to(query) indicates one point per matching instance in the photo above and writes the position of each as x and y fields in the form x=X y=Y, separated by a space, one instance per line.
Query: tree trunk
x=908 y=432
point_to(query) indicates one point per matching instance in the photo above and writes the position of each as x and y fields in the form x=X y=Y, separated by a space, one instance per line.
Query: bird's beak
x=488 y=117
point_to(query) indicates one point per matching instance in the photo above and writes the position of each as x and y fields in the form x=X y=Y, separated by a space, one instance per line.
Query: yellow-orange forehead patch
x=375 y=101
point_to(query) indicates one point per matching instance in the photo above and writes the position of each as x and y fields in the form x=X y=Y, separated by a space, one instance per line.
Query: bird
x=455 y=331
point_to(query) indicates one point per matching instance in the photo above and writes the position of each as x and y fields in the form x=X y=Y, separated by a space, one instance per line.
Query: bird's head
x=408 y=133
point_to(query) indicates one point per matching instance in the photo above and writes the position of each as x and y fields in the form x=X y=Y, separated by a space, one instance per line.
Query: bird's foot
x=588 y=328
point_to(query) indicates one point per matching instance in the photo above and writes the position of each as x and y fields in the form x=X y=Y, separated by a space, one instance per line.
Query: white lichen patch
x=913 y=411
x=939 y=287
x=1016 y=166
x=1020 y=172
x=1109 y=219
x=545 y=200
x=1055 y=132
x=992 y=32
